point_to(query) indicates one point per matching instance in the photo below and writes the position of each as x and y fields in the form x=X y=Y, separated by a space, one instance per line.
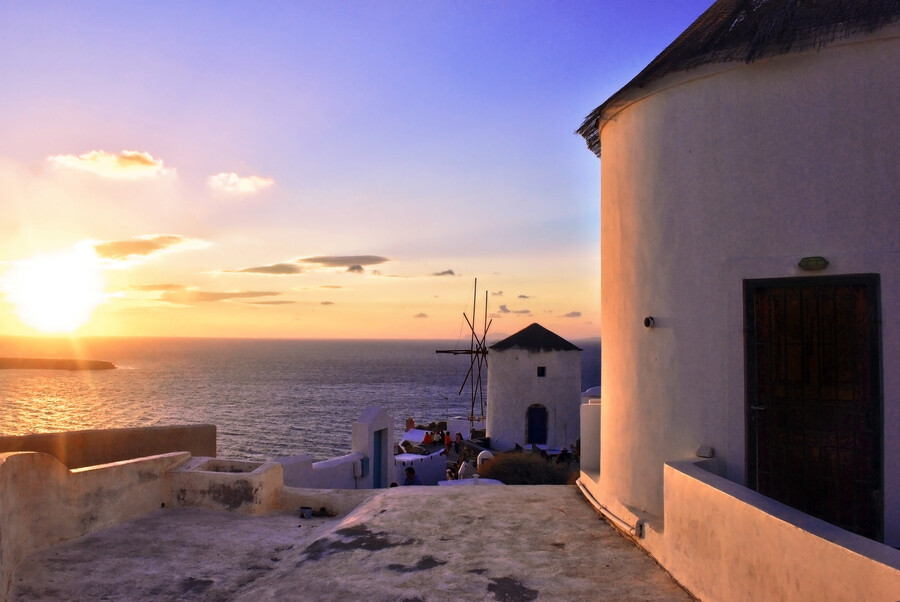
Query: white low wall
x=725 y=541
x=430 y=469
x=462 y=425
x=334 y=473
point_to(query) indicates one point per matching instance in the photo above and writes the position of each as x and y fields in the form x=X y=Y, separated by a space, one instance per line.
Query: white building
x=750 y=260
x=534 y=390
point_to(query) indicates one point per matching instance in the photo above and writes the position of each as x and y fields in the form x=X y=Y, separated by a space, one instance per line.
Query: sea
x=268 y=398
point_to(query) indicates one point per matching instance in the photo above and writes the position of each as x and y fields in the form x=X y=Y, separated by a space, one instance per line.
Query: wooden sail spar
x=477 y=353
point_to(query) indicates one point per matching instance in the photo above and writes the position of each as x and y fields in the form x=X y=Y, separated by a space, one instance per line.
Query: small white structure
x=534 y=390
x=369 y=465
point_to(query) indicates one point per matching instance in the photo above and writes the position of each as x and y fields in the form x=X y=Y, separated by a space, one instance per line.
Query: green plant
x=517 y=468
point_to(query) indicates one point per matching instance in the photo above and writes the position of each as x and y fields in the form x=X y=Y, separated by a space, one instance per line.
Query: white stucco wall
x=725 y=542
x=719 y=175
x=513 y=386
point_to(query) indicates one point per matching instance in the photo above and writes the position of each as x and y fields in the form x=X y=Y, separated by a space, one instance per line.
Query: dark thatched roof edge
x=535 y=338
x=749 y=30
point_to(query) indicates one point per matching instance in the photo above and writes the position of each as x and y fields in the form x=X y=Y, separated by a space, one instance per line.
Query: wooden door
x=536 y=424
x=814 y=397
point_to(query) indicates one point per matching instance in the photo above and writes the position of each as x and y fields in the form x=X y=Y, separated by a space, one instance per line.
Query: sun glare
x=56 y=292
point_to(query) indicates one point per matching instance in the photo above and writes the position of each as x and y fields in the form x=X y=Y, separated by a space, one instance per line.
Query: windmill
x=477 y=353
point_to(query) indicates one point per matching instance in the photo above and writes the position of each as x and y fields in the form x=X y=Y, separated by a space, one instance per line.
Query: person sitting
x=427 y=440
x=411 y=477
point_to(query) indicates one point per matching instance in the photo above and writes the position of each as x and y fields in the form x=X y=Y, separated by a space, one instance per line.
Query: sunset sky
x=307 y=169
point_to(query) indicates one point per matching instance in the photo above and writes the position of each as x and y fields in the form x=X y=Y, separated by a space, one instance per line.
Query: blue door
x=378 y=459
x=536 y=424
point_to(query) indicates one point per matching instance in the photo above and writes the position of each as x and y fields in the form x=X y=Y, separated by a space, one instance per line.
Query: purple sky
x=433 y=136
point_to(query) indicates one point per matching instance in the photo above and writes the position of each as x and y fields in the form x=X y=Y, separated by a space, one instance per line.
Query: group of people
x=438 y=437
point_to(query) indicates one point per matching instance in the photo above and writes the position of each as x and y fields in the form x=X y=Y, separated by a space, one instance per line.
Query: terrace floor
x=402 y=544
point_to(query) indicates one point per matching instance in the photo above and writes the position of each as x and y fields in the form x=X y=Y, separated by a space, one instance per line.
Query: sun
x=56 y=293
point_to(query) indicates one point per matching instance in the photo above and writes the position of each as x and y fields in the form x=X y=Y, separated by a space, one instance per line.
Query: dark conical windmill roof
x=535 y=338
x=747 y=30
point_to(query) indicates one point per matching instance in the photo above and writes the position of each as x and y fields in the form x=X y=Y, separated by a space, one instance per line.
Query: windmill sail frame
x=477 y=353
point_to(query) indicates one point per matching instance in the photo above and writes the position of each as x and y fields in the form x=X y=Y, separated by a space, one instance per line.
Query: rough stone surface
x=409 y=543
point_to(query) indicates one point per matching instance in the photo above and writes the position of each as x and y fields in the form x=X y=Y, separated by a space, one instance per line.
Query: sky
x=307 y=169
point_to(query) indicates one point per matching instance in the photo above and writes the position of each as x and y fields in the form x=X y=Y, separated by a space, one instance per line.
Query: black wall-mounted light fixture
x=649 y=322
x=813 y=264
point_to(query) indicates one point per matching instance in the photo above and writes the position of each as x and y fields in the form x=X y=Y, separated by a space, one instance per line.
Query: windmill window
x=542 y=371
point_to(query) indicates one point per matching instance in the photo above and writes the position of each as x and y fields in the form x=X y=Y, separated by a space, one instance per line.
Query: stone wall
x=76 y=449
x=42 y=503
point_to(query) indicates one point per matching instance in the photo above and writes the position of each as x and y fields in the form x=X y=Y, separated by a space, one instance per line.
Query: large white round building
x=750 y=251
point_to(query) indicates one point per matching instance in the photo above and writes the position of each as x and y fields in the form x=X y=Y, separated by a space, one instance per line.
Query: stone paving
x=402 y=544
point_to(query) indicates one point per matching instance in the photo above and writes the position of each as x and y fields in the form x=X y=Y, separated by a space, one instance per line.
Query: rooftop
x=421 y=543
x=748 y=30
x=535 y=338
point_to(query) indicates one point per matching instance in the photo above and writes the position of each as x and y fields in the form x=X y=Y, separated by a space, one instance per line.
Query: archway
x=536 y=424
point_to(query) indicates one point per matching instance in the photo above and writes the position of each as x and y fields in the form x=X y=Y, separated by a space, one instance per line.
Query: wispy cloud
x=352 y=263
x=505 y=310
x=285 y=302
x=149 y=288
x=232 y=183
x=444 y=273
x=193 y=296
x=524 y=297
x=341 y=261
x=144 y=245
x=572 y=314
x=497 y=294
x=421 y=315
x=276 y=269
x=327 y=303
x=126 y=165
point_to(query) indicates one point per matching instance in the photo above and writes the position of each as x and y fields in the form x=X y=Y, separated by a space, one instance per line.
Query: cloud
x=232 y=183
x=505 y=310
x=126 y=165
x=192 y=296
x=421 y=315
x=356 y=268
x=143 y=246
x=157 y=287
x=331 y=286
x=497 y=294
x=341 y=261
x=285 y=302
x=573 y=314
x=524 y=297
x=327 y=302
x=444 y=273
x=274 y=269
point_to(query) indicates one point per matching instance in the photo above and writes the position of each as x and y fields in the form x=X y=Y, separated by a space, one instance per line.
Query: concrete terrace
x=422 y=543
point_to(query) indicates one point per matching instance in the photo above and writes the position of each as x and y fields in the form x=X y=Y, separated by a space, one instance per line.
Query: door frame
x=872 y=284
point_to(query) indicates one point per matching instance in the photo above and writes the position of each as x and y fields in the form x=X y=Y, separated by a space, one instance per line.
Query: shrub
x=517 y=468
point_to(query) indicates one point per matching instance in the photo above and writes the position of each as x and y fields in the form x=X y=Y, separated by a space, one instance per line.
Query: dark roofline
x=749 y=30
x=535 y=338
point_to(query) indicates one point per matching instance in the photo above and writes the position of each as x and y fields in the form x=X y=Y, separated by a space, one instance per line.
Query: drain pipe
x=637 y=529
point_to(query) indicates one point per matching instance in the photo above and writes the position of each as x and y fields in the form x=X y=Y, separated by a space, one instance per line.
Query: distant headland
x=32 y=363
